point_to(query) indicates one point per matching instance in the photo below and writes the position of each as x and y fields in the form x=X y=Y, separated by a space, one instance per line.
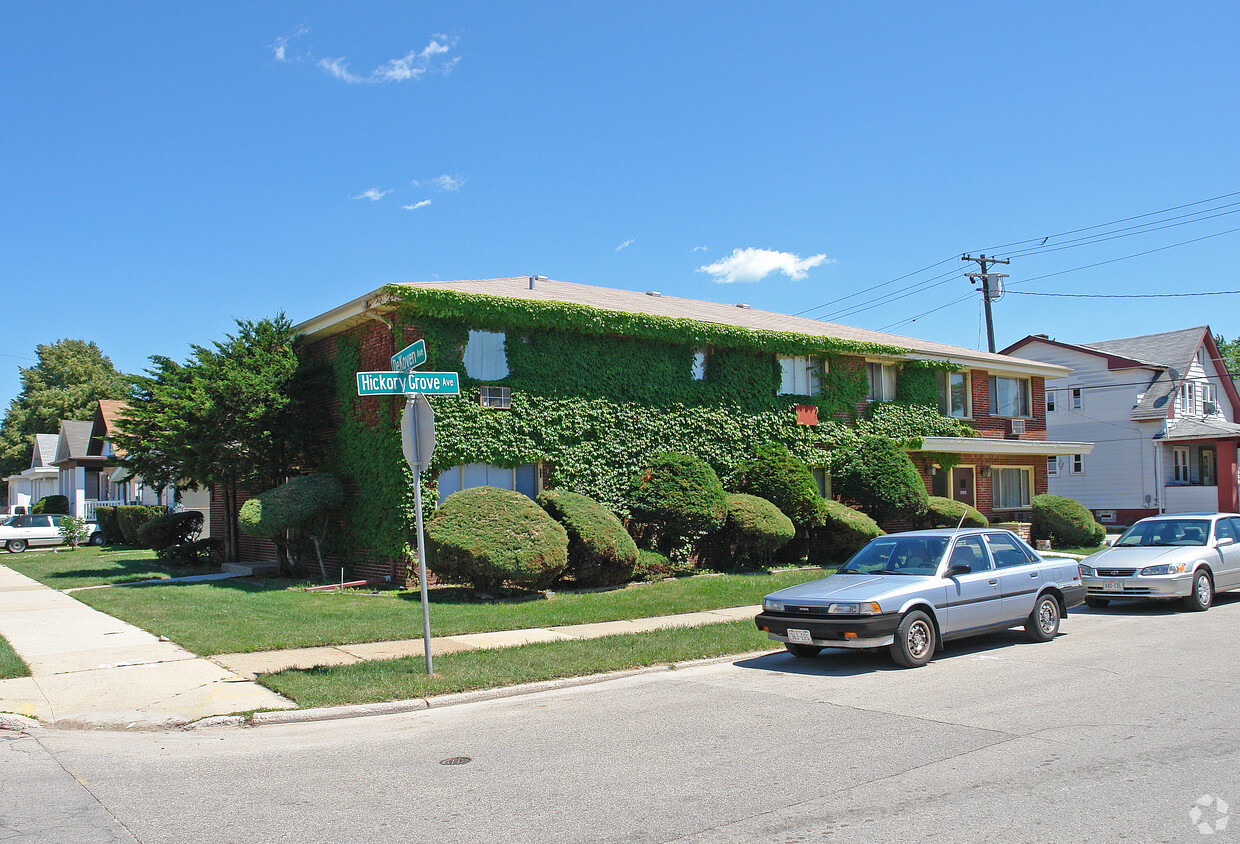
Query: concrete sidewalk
x=94 y=671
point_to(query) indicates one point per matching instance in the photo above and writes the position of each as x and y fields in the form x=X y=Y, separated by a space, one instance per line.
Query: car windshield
x=1166 y=532
x=913 y=555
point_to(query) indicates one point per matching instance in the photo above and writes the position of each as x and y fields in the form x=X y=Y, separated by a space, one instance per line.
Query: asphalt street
x=1124 y=728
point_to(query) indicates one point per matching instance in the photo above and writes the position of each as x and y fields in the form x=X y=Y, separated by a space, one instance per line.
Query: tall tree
x=1230 y=350
x=68 y=381
x=238 y=415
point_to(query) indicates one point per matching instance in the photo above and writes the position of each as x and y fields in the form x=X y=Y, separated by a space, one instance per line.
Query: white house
x=1162 y=412
x=40 y=480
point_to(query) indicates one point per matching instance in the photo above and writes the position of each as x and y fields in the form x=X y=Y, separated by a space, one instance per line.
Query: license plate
x=801 y=637
x=1113 y=585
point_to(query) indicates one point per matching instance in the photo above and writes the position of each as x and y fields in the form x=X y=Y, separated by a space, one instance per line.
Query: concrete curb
x=17 y=723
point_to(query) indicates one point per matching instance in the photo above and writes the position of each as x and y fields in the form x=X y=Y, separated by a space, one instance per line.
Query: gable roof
x=381 y=301
x=44 y=451
x=1166 y=349
x=73 y=441
x=104 y=425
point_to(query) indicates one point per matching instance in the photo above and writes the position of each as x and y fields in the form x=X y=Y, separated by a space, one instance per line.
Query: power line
x=1124 y=295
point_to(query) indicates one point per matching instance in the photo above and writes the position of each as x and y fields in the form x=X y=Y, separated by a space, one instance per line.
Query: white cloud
x=413 y=65
x=373 y=194
x=279 y=47
x=417 y=205
x=756 y=264
x=624 y=245
x=700 y=249
x=445 y=182
x=339 y=68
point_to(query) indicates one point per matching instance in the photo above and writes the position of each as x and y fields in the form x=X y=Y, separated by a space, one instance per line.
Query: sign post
x=417 y=439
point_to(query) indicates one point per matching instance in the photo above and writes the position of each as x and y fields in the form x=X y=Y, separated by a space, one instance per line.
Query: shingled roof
x=1166 y=351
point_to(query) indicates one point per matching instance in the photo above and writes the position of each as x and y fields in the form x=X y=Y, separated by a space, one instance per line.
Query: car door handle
x=993 y=582
x=1034 y=575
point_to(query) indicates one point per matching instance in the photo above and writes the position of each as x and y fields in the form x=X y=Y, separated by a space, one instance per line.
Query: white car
x=17 y=533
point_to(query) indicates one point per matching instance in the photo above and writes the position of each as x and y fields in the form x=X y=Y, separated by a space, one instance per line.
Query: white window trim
x=1027 y=472
x=1179 y=464
x=1076 y=398
x=885 y=390
x=1052 y=467
x=967 y=377
x=1077 y=465
x=797 y=371
x=1051 y=401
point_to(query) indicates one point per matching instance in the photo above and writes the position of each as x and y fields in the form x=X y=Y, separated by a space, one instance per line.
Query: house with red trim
x=1162 y=411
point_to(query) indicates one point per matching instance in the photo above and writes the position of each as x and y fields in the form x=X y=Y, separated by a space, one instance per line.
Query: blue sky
x=169 y=167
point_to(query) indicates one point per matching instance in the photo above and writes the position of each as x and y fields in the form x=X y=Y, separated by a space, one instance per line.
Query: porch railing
x=92 y=504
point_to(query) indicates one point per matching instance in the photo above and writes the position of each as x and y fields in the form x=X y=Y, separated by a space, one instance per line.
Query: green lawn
x=402 y=679
x=11 y=664
x=69 y=569
x=245 y=614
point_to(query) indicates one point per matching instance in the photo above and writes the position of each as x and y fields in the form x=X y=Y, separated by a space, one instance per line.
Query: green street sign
x=410 y=357
x=400 y=383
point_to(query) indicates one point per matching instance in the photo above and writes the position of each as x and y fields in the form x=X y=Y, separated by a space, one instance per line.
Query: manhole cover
x=456 y=760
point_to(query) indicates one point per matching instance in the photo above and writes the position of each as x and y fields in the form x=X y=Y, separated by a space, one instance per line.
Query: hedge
x=130 y=517
x=105 y=517
x=681 y=497
x=881 y=479
x=1065 y=522
x=945 y=512
x=844 y=532
x=52 y=504
x=600 y=550
x=752 y=532
x=170 y=529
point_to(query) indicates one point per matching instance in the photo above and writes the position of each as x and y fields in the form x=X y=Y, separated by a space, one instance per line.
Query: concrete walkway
x=90 y=670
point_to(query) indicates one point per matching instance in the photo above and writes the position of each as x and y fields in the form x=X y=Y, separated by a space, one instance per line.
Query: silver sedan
x=910 y=592
x=1186 y=556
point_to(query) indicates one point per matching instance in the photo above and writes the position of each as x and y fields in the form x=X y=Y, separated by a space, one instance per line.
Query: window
x=1179 y=458
x=1052 y=467
x=496 y=397
x=1010 y=487
x=1078 y=464
x=823 y=479
x=1005 y=551
x=953 y=394
x=523 y=479
x=1206 y=460
x=800 y=376
x=968 y=551
x=882 y=378
x=699 y=365
x=1009 y=396
x=1226 y=529
x=484 y=356
x=1075 y=394
x=1050 y=401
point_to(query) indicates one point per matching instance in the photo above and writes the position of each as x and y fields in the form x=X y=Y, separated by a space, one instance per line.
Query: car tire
x=1096 y=603
x=96 y=538
x=1202 y=596
x=1043 y=623
x=16 y=545
x=802 y=651
x=914 y=641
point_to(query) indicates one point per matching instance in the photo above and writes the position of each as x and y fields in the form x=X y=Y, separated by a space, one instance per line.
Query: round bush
x=488 y=536
x=170 y=529
x=290 y=505
x=52 y=504
x=752 y=532
x=844 y=532
x=130 y=517
x=783 y=480
x=681 y=496
x=945 y=512
x=600 y=550
x=1065 y=522
x=881 y=479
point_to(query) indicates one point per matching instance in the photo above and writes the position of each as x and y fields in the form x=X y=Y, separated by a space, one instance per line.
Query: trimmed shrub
x=486 y=536
x=52 y=504
x=783 y=480
x=130 y=517
x=651 y=565
x=881 y=479
x=945 y=512
x=105 y=517
x=171 y=529
x=1065 y=522
x=844 y=532
x=753 y=530
x=681 y=498
x=600 y=550
x=300 y=505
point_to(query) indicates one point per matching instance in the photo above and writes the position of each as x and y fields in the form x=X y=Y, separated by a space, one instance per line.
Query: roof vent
x=654 y=293
x=536 y=278
x=741 y=305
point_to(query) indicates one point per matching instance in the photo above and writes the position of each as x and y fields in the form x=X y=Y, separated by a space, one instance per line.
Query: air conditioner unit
x=1017 y=426
x=1209 y=407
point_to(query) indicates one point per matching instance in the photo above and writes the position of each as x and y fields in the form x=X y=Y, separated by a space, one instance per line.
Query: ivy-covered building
x=573 y=386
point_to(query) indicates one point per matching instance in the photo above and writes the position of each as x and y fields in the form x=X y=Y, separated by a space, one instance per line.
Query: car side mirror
x=957 y=569
x=1226 y=540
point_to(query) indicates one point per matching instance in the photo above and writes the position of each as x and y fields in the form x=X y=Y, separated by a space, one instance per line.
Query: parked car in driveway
x=1185 y=556
x=17 y=533
x=911 y=592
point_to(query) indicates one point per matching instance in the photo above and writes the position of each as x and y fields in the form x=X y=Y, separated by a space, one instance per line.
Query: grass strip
x=406 y=678
x=246 y=615
x=11 y=665
x=66 y=568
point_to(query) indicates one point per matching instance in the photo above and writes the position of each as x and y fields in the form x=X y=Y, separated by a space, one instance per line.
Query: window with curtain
x=953 y=393
x=1011 y=487
x=1009 y=396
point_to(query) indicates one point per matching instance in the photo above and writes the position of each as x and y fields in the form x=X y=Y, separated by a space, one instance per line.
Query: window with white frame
x=801 y=375
x=882 y=381
x=1076 y=398
x=1052 y=467
x=1078 y=464
x=953 y=394
x=1050 y=400
x=1009 y=396
x=1207 y=462
x=699 y=364
x=484 y=357
x=1011 y=487
x=495 y=397
x=1179 y=461
x=523 y=479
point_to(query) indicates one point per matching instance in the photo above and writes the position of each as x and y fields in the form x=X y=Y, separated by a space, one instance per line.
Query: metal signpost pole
x=426 y=610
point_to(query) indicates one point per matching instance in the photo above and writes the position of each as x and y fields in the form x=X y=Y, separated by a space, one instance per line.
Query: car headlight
x=867 y=608
x=772 y=606
x=1086 y=571
x=1172 y=568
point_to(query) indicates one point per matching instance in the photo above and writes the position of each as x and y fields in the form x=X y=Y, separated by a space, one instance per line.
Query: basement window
x=524 y=478
x=498 y=398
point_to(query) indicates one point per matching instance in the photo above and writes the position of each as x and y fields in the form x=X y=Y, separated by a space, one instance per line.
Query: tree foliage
x=301 y=505
x=881 y=479
x=1230 y=350
x=68 y=381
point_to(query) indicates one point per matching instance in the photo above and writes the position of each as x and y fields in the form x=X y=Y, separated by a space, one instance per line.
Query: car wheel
x=1096 y=603
x=16 y=545
x=802 y=651
x=1043 y=622
x=914 y=641
x=96 y=538
x=1202 y=596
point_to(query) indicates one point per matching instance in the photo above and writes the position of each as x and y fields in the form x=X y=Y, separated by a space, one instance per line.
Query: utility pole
x=983 y=262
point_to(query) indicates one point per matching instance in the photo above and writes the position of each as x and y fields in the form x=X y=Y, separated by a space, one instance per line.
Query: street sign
x=417 y=432
x=400 y=383
x=410 y=357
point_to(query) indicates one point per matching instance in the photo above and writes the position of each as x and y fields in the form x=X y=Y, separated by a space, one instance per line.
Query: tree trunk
x=229 y=489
